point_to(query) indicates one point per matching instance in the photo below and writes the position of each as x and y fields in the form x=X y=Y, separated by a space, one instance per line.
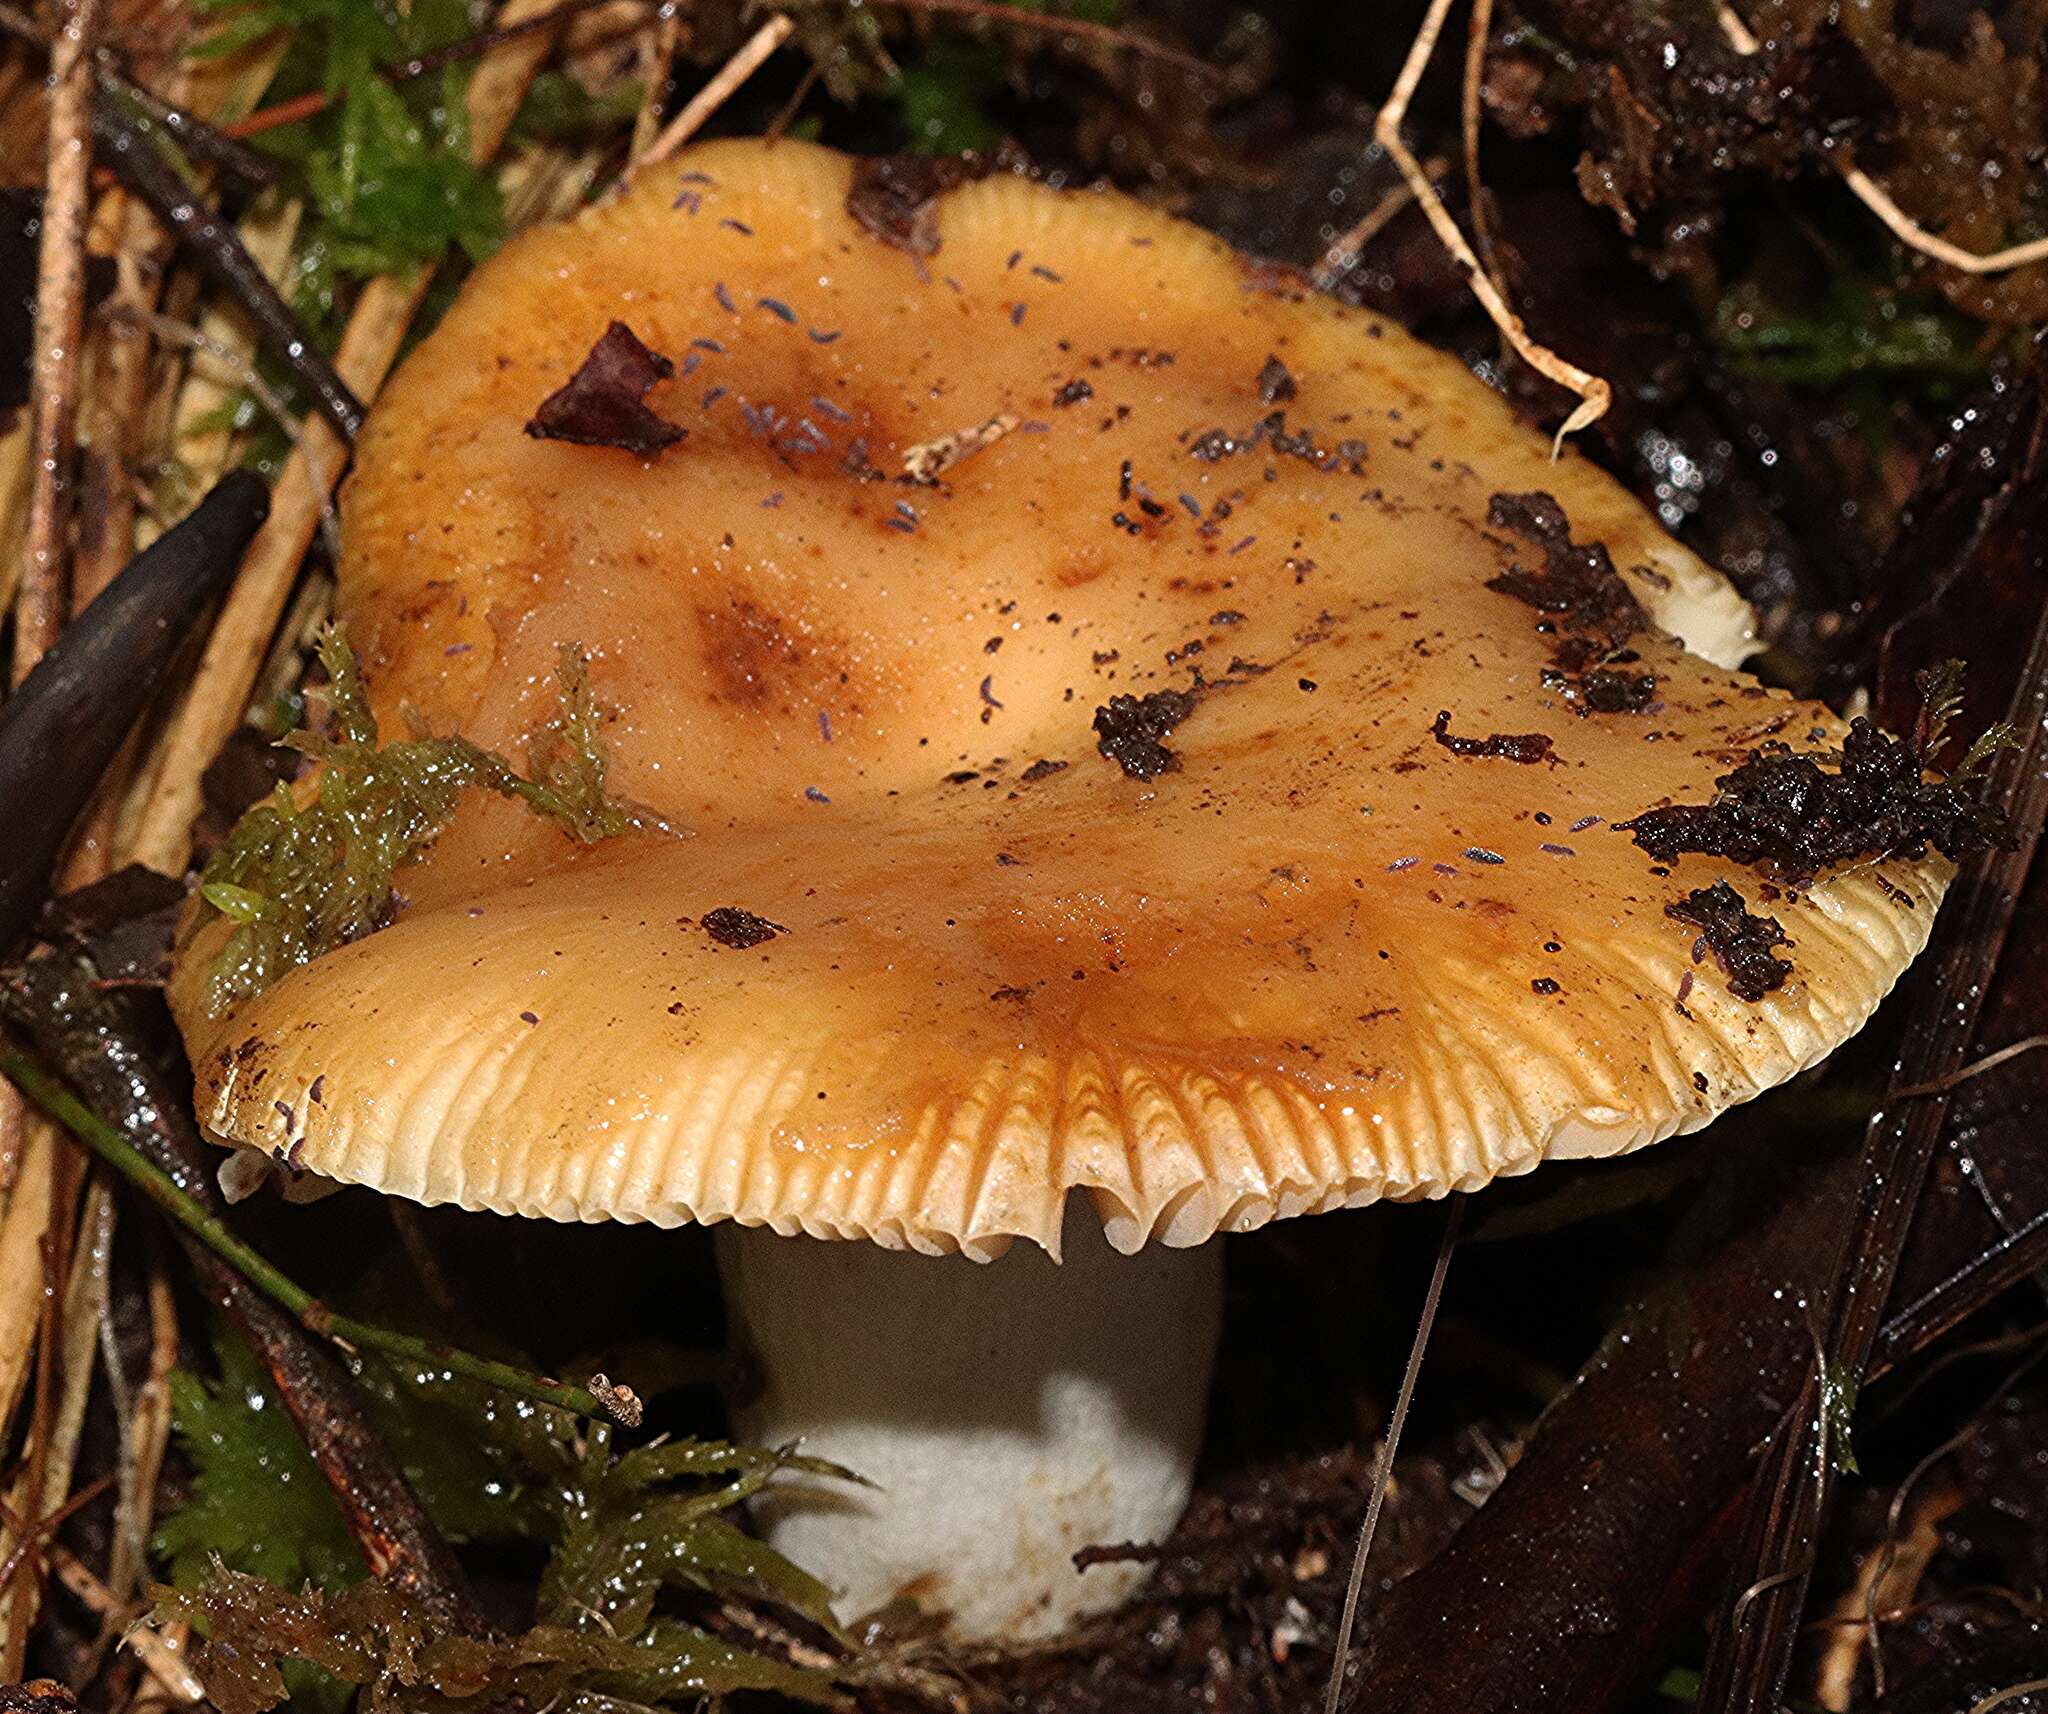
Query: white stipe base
x=1011 y=1412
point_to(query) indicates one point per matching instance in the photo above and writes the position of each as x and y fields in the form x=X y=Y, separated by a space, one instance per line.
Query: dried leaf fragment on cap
x=604 y=402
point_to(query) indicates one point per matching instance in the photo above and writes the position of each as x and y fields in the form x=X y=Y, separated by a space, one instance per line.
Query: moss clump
x=623 y=1531
x=299 y=880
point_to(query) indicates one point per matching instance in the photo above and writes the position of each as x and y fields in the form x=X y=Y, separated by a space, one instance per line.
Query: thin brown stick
x=214 y=705
x=199 y=438
x=1343 y=255
x=60 y=322
x=661 y=63
x=786 y=116
x=161 y=1658
x=29 y=1534
x=1594 y=393
x=1881 y=203
x=120 y=396
x=164 y=1663
x=1468 y=122
x=1888 y=1554
x=1976 y=1068
x=283 y=113
x=1383 y=1466
x=142 y=1451
x=751 y=55
x=2011 y=1693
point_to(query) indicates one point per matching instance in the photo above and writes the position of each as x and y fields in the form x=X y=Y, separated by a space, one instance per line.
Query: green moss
x=557 y=107
x=621 y=1529
x=1855 y=330
x=257 y=1502
x=376 y=1636
x=298 y=881
x=385 y=169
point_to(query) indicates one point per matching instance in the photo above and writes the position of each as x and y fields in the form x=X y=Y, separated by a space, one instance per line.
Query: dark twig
x=198 y=139
x=2016 y=1256
x=1749 y=1661
x=61 y=729
x=218 y=248
x=476 y=46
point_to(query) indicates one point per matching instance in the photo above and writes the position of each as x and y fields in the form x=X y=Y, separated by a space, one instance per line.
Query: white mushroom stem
x=1010 y=1414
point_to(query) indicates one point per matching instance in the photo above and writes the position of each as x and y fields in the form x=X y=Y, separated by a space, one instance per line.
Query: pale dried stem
x=550 y=184
x=13 y=1131
x=298 y=635
x=1468 y=124
x=1884 y=1585
x=41 y=1489
x=1342 y=256
x=22 y=1227
x=660 y=63
x=715 y=94
x=2010 y=1694
x=119 y=401
x=1383 y=1465
x=38 y=1209
x=236 y=363
x=142 y=1448
x=217 y=700
x=163 y=1660
x=1594 y=393
x=1879 y=201
x=14 y=491
x=198 y=439
x=59 y=327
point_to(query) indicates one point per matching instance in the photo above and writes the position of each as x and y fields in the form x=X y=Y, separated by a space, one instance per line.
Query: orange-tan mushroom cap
x=1324 y=958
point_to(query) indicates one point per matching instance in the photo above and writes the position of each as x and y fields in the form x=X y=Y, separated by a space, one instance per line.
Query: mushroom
x=1119 y=722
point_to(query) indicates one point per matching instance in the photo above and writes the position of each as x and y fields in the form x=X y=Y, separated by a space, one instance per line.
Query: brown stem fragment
x=60 y=324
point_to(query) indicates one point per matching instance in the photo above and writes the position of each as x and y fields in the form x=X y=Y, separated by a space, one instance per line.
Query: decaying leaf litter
x=1669 y=200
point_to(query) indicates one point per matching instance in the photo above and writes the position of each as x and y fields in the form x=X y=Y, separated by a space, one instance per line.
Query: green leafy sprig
x=621 y=1529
